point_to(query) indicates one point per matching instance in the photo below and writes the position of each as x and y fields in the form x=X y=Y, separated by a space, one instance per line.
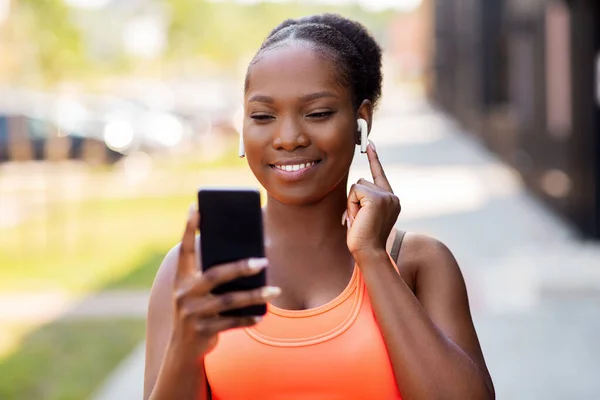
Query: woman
x=345 y=319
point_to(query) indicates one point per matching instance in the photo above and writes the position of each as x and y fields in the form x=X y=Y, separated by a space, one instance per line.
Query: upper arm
x=441 y=290
x=160 y=319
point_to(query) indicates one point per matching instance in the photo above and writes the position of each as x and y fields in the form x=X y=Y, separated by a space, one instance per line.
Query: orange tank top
x=332 y=352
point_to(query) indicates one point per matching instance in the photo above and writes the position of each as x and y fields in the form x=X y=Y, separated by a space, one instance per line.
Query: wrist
x=181 y=375
x=371 y=255
x=182 y=355
x=179 y=361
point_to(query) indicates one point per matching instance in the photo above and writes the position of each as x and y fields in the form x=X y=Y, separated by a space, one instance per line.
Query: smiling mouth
x=295 y=167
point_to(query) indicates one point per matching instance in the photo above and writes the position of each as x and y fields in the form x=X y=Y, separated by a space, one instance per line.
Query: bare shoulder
x=422 y=249
x=426 y=259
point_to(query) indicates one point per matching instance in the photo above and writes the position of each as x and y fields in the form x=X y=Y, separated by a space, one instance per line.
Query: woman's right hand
x=196 y=311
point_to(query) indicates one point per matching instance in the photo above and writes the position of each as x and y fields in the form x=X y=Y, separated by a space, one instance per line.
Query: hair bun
x=354 y=31
x=357 y=51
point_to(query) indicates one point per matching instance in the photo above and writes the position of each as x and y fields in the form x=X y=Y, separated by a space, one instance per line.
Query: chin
x=298 y=197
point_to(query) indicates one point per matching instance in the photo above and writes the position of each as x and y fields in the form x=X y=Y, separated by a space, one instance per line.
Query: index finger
x=377 y=171
x=186 y=265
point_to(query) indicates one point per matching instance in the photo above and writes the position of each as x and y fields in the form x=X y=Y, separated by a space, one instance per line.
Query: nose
x=290 y=135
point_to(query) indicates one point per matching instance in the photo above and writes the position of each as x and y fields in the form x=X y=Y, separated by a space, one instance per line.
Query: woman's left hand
x=372 y=210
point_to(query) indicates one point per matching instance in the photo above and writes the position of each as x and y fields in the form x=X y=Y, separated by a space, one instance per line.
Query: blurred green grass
x=66 y=360
x=83 y=246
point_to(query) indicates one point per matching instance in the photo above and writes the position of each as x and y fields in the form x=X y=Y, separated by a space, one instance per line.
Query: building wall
x=522 y=77
x=410 y=43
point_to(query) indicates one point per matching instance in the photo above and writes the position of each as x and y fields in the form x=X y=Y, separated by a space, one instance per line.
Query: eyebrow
x=261 y=99
x=307 y=97
x=318 y=95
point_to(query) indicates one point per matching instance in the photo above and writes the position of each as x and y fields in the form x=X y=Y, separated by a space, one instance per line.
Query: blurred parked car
x=25 y=138
x=96 y=128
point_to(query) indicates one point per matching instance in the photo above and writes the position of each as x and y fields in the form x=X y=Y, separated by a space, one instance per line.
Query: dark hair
x=351 y=47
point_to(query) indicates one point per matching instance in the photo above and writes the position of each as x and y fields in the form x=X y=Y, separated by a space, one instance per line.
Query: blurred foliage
x=48 y=45
x=47 y=42
x=224 y=31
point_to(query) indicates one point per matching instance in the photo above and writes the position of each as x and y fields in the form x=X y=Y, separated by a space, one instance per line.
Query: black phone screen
x=231 y=229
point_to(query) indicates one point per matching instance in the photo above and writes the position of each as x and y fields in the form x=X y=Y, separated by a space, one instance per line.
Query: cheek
x=256 y=142
x=338 y=142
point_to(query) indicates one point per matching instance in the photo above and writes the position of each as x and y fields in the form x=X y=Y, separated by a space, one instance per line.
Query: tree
x=225 y=31
x=46 y=45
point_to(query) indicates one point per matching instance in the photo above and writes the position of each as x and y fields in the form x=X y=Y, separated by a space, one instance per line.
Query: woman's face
x=299 y=125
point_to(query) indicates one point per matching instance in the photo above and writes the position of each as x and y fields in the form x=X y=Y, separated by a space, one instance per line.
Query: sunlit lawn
x=67 y=360
x=83 y=246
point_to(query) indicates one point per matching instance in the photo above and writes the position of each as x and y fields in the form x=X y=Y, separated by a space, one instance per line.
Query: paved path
x=125 y=383
x=39 y=308
x=534 y=288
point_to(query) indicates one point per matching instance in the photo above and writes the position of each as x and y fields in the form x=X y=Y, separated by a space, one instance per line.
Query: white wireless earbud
x=363 y=128
x=241 y=148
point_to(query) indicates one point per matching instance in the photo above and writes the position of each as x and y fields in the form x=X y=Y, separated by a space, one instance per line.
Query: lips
x=293 y=170
x=295 y=167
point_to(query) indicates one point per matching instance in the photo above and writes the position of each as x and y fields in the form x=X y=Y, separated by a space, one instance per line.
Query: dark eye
x=261 y=117
x=320 y=115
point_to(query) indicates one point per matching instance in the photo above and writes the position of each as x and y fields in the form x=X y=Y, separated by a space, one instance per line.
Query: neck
x=313 y=224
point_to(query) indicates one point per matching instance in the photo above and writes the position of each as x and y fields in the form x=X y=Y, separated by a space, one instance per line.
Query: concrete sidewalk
x=534 y=288
x=39 y=307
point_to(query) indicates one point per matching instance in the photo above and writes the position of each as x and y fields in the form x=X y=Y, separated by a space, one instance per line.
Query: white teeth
x=293 y=168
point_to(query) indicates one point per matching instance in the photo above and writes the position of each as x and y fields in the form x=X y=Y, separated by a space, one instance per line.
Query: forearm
x=426 y=363
x=180 y=378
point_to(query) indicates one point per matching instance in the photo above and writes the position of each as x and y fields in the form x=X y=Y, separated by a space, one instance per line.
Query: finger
x=235 y=300
x=377 y=171
x=344 y=217
x=376 y=190
x=210 y=327
x=186 y=265
x=220 y=274
x=352 y=204
x=358 y=194
x=368 y=184
x=211 y=306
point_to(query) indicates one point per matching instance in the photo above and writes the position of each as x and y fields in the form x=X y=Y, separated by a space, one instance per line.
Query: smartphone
x=231 y=229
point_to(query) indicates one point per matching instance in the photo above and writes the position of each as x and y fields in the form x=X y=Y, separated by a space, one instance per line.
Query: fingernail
x=372 y=145
x=256 y=264
x=257 y=319
x=350 y=221
x=192 y=210
x=270 y=292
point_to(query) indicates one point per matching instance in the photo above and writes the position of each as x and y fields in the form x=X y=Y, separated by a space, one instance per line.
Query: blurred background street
x=112 y=113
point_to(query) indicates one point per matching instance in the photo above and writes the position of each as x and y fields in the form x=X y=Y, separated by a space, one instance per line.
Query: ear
x=365 y=111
